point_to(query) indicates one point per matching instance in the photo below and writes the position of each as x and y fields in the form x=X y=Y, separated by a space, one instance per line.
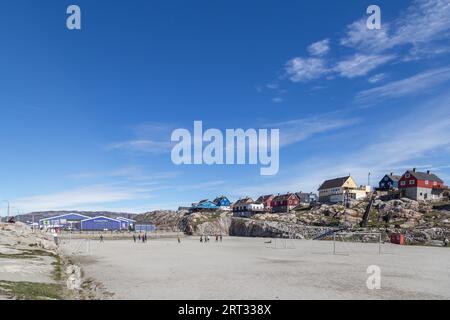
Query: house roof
x=218 y=199
x=243 y=201
x=425 y=176
x=334 y=183
x=264 y=198
x=65 y=215
x=284 y=197
x=100 y=217
x=394 y=177
x=125 y=219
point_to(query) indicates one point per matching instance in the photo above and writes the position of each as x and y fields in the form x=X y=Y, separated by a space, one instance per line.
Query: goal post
x=357 y=242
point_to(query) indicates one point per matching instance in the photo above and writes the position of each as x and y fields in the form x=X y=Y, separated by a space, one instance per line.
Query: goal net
x=357 y=243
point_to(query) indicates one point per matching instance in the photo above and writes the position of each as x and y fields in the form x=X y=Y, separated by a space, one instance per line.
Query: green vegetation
x=57 y=272
x=31 y=290
x=27 y=254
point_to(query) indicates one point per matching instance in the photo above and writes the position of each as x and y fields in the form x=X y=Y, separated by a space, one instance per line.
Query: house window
x=411 y=182
x=382 y=184
x=434 y=183
x=407 y=175
x=403 y=183
x=427 y=182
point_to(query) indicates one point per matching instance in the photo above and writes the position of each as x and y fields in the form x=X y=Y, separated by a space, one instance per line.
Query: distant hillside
x=46 y=214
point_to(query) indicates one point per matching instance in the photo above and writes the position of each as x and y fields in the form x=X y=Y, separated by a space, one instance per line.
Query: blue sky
x=86 y=116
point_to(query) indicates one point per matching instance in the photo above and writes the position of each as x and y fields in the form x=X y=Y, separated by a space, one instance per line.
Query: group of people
x=206 y=238
x=140 y=237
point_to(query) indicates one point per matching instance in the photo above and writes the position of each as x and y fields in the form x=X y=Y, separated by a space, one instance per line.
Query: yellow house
x=335 y=190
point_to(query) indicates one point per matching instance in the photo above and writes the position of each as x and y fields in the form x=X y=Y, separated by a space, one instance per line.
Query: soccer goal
x=357 y=243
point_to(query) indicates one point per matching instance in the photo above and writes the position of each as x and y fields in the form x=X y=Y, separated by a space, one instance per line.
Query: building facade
x=423 y=186
x=65 y=221
x=341 y=190
x=101 y=223
x=285 y=203
x=223 y=203
x=389 y=182
x=266 y=200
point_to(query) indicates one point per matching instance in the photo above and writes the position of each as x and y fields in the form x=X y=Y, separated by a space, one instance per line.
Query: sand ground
x=249 y=268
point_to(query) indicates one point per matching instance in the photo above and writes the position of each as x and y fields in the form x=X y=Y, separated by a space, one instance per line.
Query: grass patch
x=31 y=290
x=57 y=271
x=27 y=254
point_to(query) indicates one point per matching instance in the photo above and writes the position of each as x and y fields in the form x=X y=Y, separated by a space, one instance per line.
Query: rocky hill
x=422 y=223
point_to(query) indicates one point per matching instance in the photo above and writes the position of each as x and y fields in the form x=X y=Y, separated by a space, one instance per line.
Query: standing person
x=101 y=238
x=139 y=237
x=217 y=238
x=220 y=238
x=179 y=240
x=143 y=239
x=134 y=238
x=145 y=236
x=201 y=238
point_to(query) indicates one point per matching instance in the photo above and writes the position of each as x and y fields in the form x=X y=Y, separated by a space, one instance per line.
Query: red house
x=417 y=185
x=266 y=201
x=285 y=203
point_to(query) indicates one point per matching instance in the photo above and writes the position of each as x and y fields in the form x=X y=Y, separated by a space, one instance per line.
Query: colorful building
x=65 y=221
x=417 y=185
x=389 y=182
x=101 y=223
x=223 y=203
x=266 y=200
x=285 y=203
x=341 y=190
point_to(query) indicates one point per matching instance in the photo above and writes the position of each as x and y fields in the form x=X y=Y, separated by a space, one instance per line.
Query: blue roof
x=126 y=219
x=206 y=205
x=70 y=216
x=101 y=217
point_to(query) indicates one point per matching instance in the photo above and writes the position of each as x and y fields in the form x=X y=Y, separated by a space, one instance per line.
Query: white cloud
x=319 y=48
x=422 y=23
x=303 y=69
x=294 y=131
x=377 y=78
x=421 y=31
x=277 y=100
x=360 y=65
x=82 y=197
x=386 y=153
x=144 y=145
x=408 y=86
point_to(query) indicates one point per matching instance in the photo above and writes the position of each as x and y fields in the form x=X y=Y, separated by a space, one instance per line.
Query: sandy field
x=250 y=268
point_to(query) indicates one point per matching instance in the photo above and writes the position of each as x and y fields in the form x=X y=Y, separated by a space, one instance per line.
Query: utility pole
x=7 y=214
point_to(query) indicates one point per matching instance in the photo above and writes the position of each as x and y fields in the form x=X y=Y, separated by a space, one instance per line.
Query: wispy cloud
x=421 y=31
x=319 y=48
x=360 y=64
x=150 y=138
x=377 y=78
x=298 y=130
x=304 y=69
x=82 y=197
x=404 y=87
x=384 y=153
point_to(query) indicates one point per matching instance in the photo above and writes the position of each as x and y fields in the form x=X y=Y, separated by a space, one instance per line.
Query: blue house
x=389 y=182
x=223 y=203
x=101 y=223
x=70 y=220
x=127 y=224
x=204 y=205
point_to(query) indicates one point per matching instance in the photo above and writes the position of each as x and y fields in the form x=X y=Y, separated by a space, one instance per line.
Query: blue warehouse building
x=127 y=224
x=70 y=220
x=102 y=223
